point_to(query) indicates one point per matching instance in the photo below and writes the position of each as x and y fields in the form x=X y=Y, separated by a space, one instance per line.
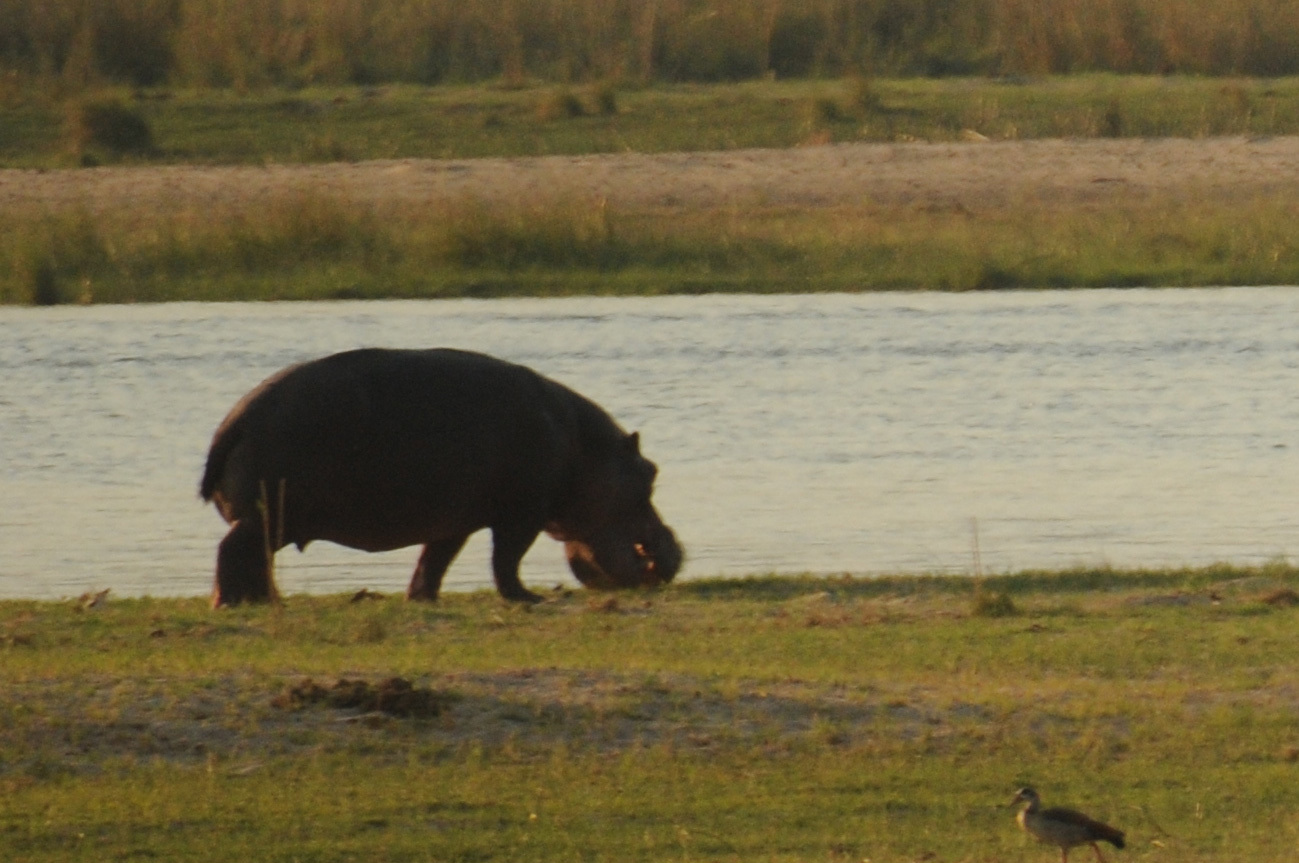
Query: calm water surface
x=861 y=433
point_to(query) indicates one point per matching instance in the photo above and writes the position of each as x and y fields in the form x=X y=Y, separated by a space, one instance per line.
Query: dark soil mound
x=394 y=696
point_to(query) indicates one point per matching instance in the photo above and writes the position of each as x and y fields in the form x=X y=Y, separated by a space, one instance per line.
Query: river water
x=871 y=433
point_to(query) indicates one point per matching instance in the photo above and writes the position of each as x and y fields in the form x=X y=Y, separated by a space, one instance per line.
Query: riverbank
x=781 y=718
x=960 y=216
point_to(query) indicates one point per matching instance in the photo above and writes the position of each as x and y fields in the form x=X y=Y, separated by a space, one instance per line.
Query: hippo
x=378 y=449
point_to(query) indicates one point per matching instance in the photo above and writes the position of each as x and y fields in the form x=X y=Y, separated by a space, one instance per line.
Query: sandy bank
x=972 y=175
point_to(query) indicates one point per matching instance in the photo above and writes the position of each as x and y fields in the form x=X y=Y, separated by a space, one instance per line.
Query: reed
x=247 y=44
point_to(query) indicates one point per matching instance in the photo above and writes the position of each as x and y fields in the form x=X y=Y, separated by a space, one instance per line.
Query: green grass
x=307 y=246
x=772 y=718
x=467 y=121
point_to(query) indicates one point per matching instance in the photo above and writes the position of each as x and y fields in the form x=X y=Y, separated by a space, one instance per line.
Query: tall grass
x=252 y=43
x=302 y=246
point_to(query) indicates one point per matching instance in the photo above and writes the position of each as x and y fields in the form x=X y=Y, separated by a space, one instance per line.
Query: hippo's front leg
x=432 y=566
x=509 y=544
x=243 y=571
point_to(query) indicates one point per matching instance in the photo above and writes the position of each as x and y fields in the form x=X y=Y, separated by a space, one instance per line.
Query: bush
x=604 y=100
x=989 y=603
x=561 y=104
x=108 y=126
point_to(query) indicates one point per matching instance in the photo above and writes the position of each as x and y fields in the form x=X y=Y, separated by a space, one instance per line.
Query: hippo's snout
x=661 y=559
x=649 y=563
x=645 y=563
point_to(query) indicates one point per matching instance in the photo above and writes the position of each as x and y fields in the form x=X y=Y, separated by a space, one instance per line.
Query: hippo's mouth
x=640 y=564
x=648 y=561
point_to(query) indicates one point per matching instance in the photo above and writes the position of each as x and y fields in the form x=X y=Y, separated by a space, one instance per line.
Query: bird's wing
x=1098 y=829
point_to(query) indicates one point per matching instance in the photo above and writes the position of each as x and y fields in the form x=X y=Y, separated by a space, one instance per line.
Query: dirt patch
x=394 y=696
x=80 y=726
x=1281 y=598
x=968 y=176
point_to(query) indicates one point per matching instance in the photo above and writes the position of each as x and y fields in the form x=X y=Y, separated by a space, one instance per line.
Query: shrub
x=108 y=126
x=989 y=603
x=560 y=104
x=604 y=100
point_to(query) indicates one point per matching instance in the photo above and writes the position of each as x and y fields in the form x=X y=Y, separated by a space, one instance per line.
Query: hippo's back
x=372 y=446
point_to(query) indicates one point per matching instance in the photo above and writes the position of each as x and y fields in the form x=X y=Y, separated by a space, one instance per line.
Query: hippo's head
x=612 y=534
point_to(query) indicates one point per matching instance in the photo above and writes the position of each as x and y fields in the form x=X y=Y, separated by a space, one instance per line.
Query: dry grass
x=303 y=246
x=247 y=44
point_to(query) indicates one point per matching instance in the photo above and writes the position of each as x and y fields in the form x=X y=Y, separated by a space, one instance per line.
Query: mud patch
x=394 y=696
x=1281 y=598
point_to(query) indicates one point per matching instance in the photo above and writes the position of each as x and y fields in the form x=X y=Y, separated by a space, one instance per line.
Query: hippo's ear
x=632 y=442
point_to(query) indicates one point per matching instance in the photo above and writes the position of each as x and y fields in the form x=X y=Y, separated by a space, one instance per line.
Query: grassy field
x=773 y=718
x=354 y=123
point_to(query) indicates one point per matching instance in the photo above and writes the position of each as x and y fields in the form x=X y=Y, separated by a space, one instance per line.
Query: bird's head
x=1025 y=795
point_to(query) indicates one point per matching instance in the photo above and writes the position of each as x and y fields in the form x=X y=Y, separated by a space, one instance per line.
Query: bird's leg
x=1099 y=855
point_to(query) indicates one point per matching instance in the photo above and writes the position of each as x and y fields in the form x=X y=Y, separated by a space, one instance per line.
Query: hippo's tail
x=225 y=440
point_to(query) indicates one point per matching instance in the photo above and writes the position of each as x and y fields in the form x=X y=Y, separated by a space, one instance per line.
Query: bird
x=92 y=599
x=1063 y=827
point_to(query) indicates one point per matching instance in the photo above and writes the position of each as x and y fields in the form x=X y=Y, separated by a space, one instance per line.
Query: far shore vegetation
x=117 y=124
x=308 y=246
x=247 y=44
x=774 y=718
x=171 y=82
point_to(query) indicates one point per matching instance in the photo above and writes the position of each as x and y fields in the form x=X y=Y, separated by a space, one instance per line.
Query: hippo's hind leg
x=509 y=545
x=433 y=563
x=243 y=571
